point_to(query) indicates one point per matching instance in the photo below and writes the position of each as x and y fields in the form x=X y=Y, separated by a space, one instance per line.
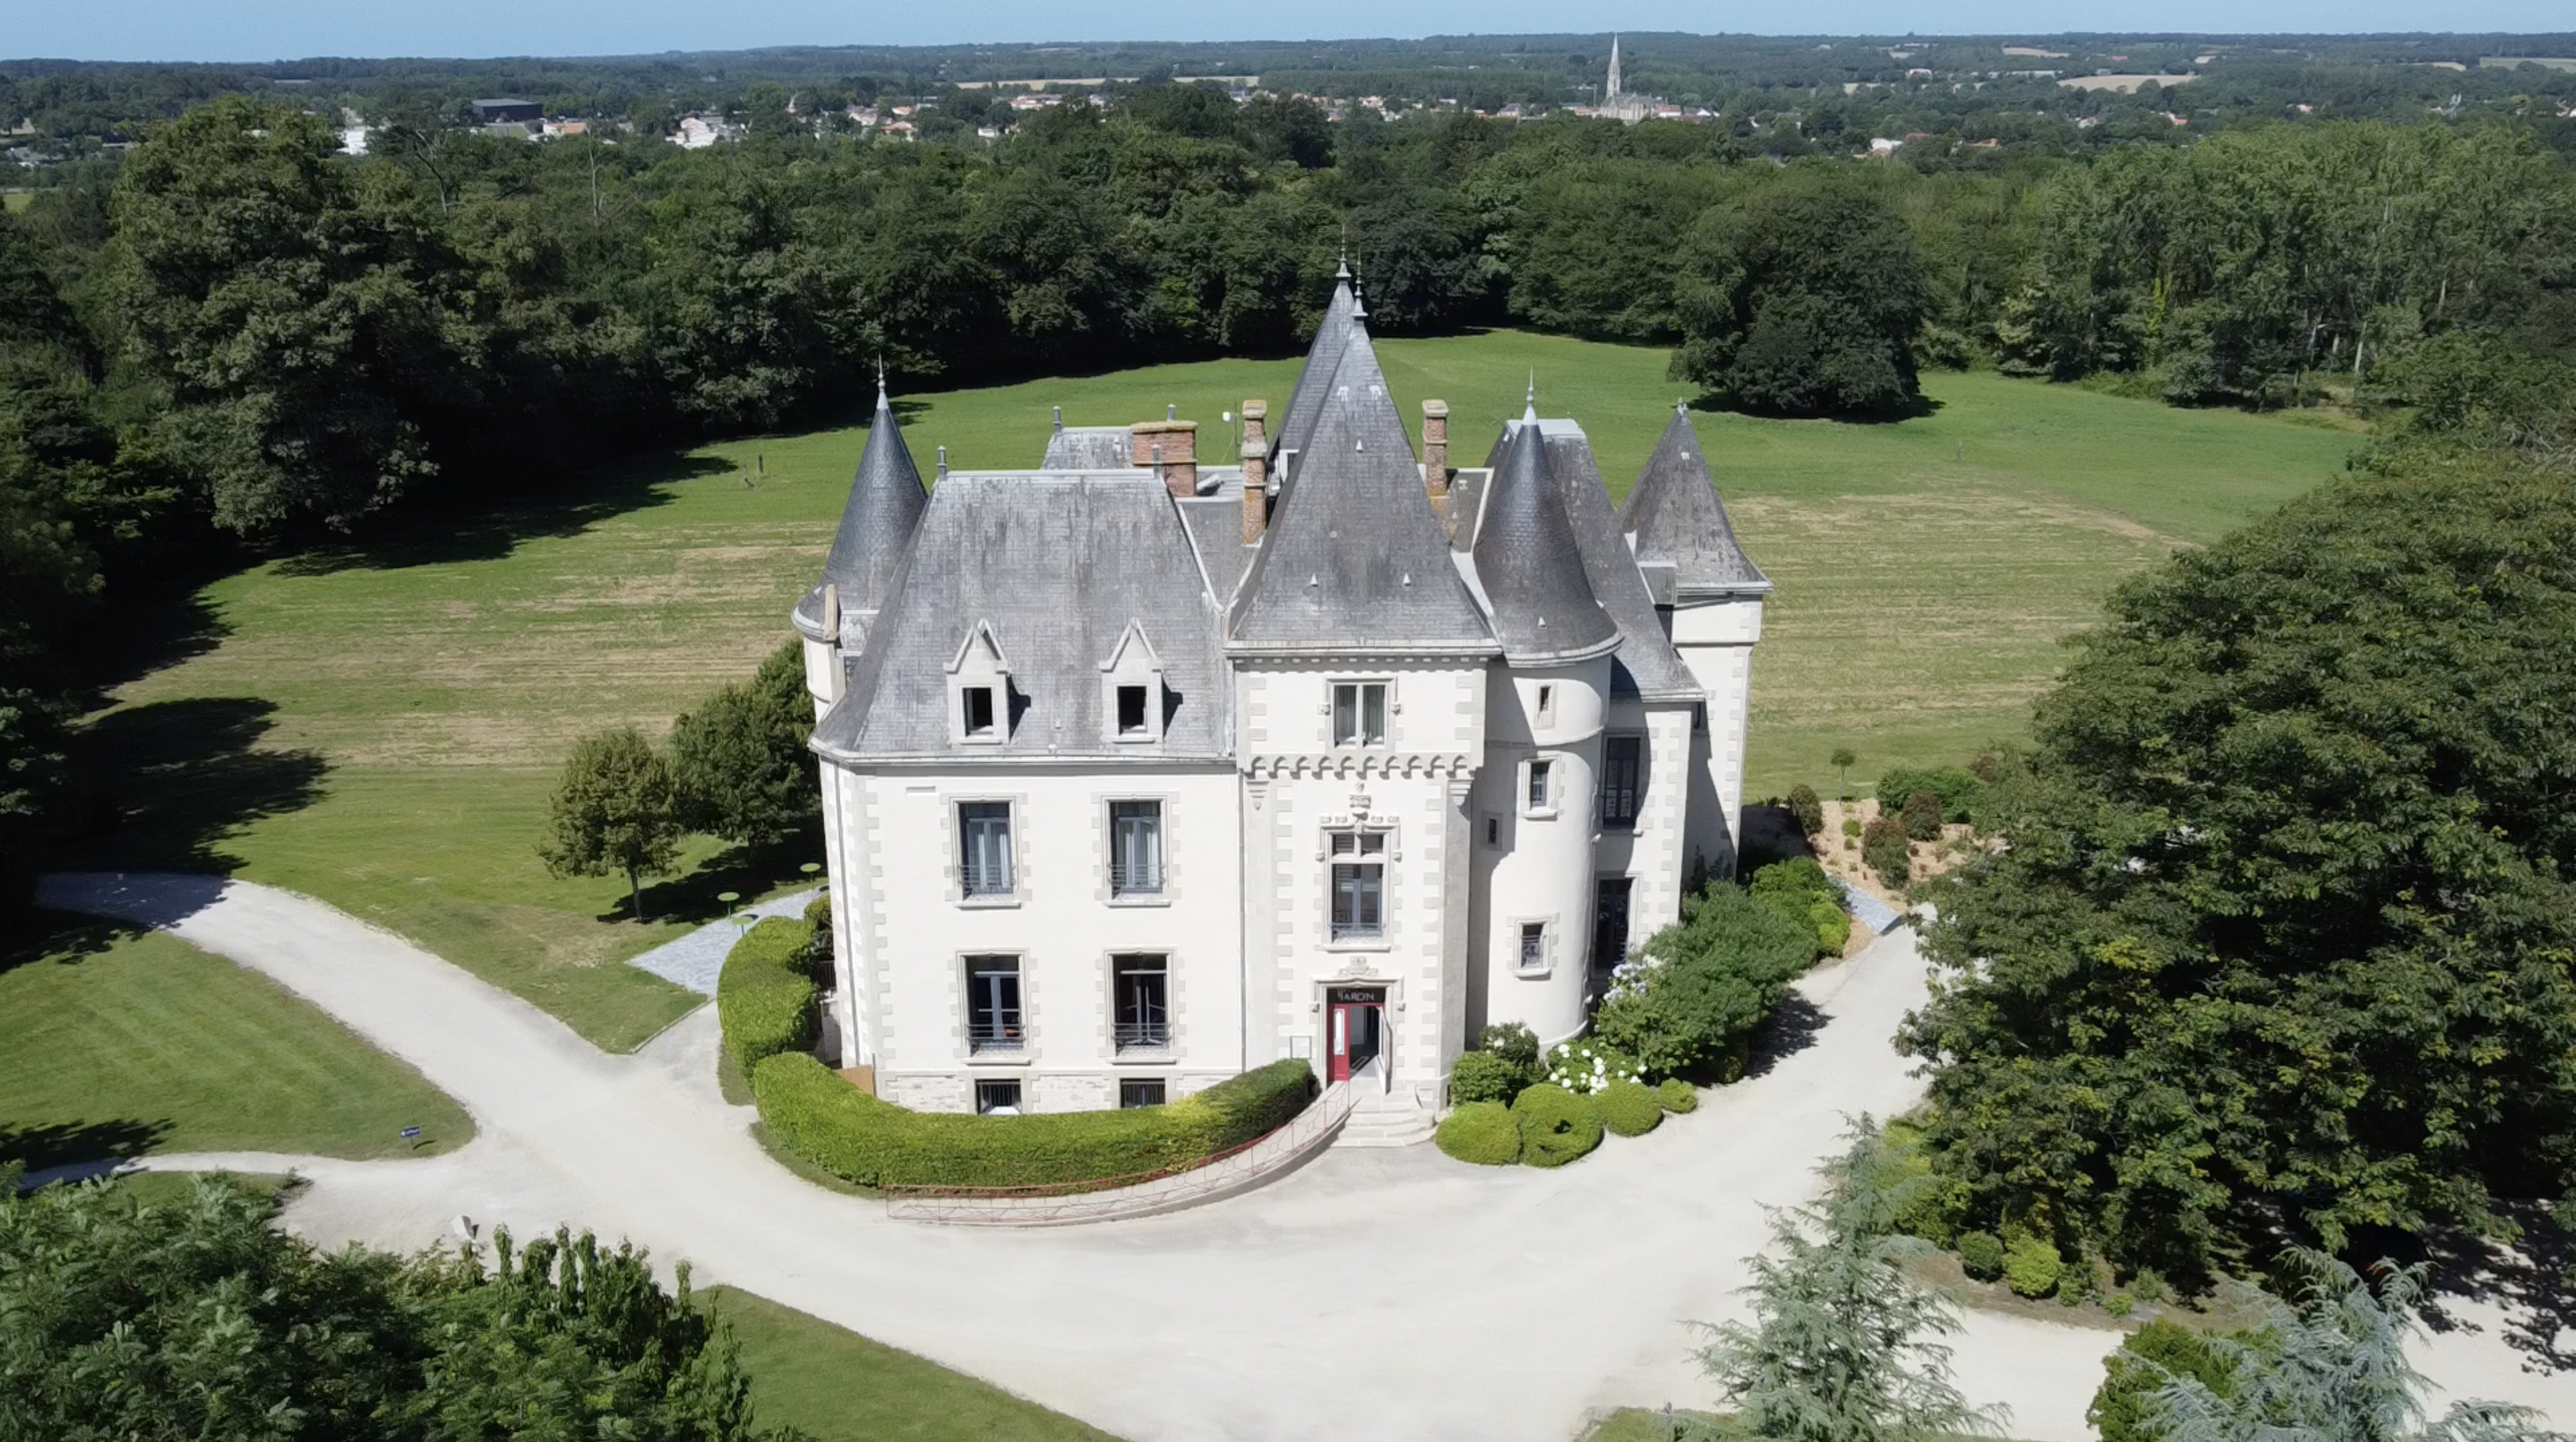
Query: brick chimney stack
x=1256 y=469
x=1435 y=451
x=1171 y=447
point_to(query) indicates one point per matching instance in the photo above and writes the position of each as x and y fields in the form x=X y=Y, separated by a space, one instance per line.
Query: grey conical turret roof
x=1315 y=379
x=886 y=502
x=1355 y=560
x=1528 y=562
x=1677 y=519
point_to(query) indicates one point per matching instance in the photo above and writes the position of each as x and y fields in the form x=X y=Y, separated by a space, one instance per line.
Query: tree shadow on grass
x=67 y=1143
x=483 y=527
x=162 y=786
x=746 y=871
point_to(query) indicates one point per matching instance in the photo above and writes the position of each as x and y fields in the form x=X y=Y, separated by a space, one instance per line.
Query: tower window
x=1622 y=770
x=1359 y=885
x=1542 y=775
x=1359 y=713
x=1534 y=946
x=1547 y=705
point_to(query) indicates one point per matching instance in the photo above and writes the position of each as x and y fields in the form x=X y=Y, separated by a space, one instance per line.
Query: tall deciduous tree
x=615 y=810
x=740 y=760
x=1842 y=1345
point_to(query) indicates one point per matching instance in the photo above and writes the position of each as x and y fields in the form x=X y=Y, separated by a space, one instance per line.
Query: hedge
x=875 y=1143
x=1556 y=1125
x=1629 y=1108
x=765 y=997
x=1485 y=1133
x=1676 y=1095
x=1483 y=1076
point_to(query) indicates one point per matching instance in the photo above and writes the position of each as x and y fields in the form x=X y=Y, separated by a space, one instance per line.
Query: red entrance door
x=1356 y=1031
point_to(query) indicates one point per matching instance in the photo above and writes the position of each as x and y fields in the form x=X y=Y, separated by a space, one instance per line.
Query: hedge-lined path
x=695 y=960
x=1373 y=1294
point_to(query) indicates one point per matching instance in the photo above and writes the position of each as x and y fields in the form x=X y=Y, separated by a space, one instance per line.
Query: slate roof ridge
x=1676 y=517
x=1529 y=564
x=1315 y=379
x=877 y=524
x=1354 y=558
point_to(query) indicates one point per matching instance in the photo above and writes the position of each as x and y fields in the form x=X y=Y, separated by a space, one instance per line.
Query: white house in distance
x=1139 y=772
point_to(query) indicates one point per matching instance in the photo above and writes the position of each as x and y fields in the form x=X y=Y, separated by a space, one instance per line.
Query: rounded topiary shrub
x=1675 y=1095
x=1629 y=1108
x=1981 y=1256
x=1556 y=1125
x=2031 y=1266
x=1482 y=1076
x=1884 y=850
x=1922 y=816
x=1485 y=1133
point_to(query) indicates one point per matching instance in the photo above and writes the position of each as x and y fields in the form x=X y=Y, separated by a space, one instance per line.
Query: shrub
x=875 y=1143
x=1483 y=1076
x=1556 y=1125
x=1922 y=816
x=1958 y=789
x=1629 y=1108
x=1689 y=1001
x=1981 y=1255
x=1675 y=1095
x=818 y=952
x=1810 y=811
x=1588 y=1065
x=1851 y=826
x=1485 y=1133
x=765 y=996
x=2031 y=1265
x=2125 y=1408
x=1514 y=1042
x=1883 y=849
x=1799 y=887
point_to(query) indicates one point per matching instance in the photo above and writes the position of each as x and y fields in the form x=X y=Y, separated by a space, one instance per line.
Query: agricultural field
x=378 y=727
x=119 y=1045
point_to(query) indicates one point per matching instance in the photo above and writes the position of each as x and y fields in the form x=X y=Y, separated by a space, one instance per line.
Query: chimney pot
x=1435 y=451
x=1171 y=447
x=1256 y=470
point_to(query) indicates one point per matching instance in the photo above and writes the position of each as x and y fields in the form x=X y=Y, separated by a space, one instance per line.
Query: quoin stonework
x=1185 y=752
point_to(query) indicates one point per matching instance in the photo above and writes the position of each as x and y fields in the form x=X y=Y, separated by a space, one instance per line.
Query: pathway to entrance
x=1372 y=1294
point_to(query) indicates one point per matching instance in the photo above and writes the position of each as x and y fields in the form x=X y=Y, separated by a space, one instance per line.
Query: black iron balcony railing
x=1143 y=1035
x=994 y=1036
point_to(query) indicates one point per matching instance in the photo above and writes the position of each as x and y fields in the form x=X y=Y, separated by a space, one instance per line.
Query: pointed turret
x=1355 y=559
x=1678 y=521
x=1315 y=379
x=1529 y=564
x=886 y=501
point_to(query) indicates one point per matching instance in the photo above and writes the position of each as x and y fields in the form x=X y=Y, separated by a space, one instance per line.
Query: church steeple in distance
x=1612 y=93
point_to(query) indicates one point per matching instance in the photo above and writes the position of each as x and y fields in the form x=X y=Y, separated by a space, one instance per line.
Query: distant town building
x=1616 y=103
x=508 y=112
x=697 y=132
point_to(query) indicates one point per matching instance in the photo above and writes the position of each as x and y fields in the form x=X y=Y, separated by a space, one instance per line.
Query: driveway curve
x=1372 y=1294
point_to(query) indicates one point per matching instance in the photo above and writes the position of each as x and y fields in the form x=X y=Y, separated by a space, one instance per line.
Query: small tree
x=1840 y=1349
x=1883 y=849
x=740 y=759
x=1922 y=816
x=1810 y=811
x=1692 y=995
x=1843 y=762
x=2331 y=1367
x=616 y=809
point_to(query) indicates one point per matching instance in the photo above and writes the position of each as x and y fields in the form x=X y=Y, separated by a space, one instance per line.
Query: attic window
x=1131 y=711
x=979 y=713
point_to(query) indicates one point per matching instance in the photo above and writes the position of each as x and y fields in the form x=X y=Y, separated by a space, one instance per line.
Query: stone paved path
x=693 y=960
x=1373 y=1294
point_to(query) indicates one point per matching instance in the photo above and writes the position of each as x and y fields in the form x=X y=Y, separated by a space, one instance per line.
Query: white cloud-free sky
x=253 y=30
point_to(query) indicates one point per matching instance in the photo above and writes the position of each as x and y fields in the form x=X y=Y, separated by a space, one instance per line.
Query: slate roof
x=1355 y=560
x=1528 y=564
x=1677 y=520
x=1088 y=448
x=885 y=505
x=1058 y=563
x=1646 y=663
x=1315 y=379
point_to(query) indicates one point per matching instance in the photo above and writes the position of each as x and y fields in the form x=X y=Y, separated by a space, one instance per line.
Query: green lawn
x=379 y=728
x=840 y=1387
x=145 y=1044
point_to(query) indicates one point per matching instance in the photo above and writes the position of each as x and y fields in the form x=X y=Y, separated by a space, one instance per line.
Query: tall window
x=1359 y=885
x=1141 y=987
x=1541 y=775
x=1135 y=848
x=1359 y=713
x=1131 y=711
x=1533 y=946
x=1610 y=921
x=1547 y=705
x=984 y=847
x=993 y=1004
x=978 y=701
x=1622 y=767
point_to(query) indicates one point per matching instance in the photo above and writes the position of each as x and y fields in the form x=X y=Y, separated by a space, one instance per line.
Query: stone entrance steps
x=1387 y=1119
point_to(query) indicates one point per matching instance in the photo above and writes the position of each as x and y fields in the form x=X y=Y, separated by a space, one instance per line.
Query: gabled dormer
x=979 y=690
x=1132 y=696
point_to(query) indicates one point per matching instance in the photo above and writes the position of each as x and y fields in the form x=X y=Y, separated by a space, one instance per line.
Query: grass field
x=137 y=1044
x=838 y=1386
x=378 y=727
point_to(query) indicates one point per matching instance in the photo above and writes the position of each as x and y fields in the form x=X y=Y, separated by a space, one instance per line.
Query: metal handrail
x=995 y=1036
x=1142 y=1035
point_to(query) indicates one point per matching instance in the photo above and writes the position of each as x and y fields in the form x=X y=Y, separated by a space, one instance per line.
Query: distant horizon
x=183 y=32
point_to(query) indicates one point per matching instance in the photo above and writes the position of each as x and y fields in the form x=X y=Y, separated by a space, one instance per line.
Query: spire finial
x=881 y=386
x=1342 y=257
x=1530 y=411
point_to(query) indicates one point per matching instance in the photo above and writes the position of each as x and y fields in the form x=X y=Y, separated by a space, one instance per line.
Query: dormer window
x=1131 y=713
x=979 y=713
x=1133 y=700
x=979 y=690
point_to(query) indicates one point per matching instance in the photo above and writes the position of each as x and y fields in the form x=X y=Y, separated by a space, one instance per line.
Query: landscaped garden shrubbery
x=1885 y=849
x=1483 y=1132
x=1800 y=888
x=1688 y=1001
x=1956 y=788
x=1676 y=1095
x=765 y=996
x=860 y=1138
x=1586 y=1066
x=1482 y=1076
x=1556 y=1125
x=1628 y=1108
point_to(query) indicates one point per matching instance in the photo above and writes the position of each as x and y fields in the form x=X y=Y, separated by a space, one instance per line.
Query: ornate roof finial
x=1530 y=410
x=1342 y=259
x=881 y=389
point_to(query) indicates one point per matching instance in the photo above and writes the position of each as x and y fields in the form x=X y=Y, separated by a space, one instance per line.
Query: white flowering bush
x=1588 y=1066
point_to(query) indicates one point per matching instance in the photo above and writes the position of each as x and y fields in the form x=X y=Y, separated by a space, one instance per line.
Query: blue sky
x=284 y=29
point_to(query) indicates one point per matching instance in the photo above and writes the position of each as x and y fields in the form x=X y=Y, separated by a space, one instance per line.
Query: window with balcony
x=1135 y=848
x=1359 y=885
x=1134 y=1092
x=1359 y=713
x=1141 y=1002
x=984 y=848
x=1623 y=760
x=997 y=1098
x=993 y=1005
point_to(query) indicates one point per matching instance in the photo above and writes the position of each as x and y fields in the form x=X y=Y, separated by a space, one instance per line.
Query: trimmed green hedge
x=765 y=997
x=875 y=1143
x=1556 y=1125
x=1482 y=1076
x=1676 y=1095
x=1629 y=1108
x=1485 y=1133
